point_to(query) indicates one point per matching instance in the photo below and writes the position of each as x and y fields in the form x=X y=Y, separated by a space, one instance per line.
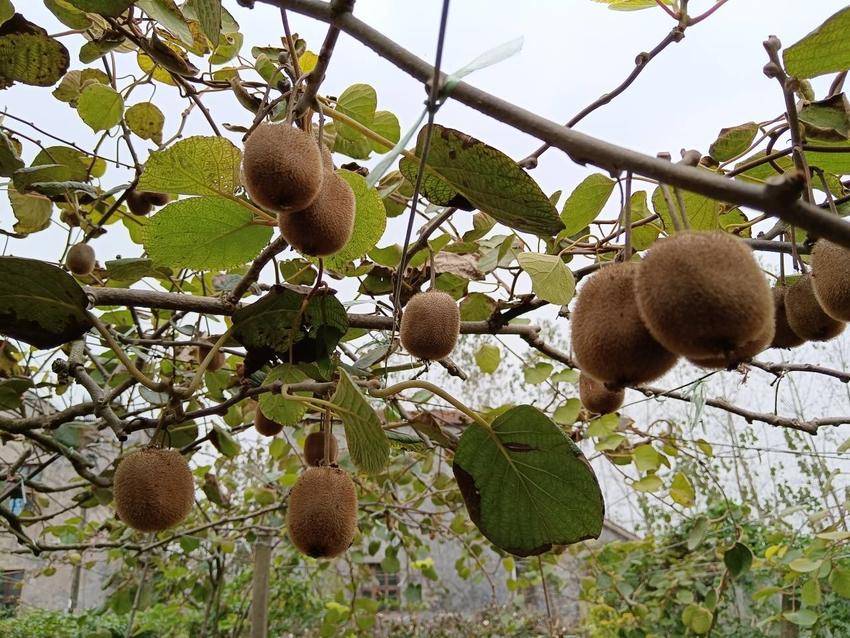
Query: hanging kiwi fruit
x=80 y=259
x=430 y=325
x=596 y=397
x=805 y=314
x=322 y=515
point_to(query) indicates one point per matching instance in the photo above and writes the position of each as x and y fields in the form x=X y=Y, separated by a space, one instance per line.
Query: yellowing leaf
x=100 y=106
x=145 y=120
x=681 y=490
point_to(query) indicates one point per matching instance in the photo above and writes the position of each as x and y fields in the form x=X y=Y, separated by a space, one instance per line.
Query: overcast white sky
x=574 y=51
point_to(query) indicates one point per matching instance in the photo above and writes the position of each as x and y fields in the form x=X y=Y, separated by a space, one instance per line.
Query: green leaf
x=567 y=413
x=697 y=618
x=488 y=358
x=649 y=483
x=10 y=160
x=209 y=17
x=682 y=491
x=646 y=458
x=75 y=81
x=277 y=408
x=733 y=141
x=370 y=220
x=804 y=565
x=112 y=8
x=697 y=533
x=145 y=120
x=81 y=167
x=100 y=106
x=358 y=102
x=68 y=14
x=632 y=5
x=585 y=202
x=182 y=434
x=839 y=580
x=551 y=280
x=827 y=120
x=367 y=443
x=11 y=391
x=490 y=180
x=29 y=55
x=386 y=125
x=224 y=442
x=603 y=426
x=40 y=304
x=204 y=233
x=766 y=592
x=168 y=15
x=476 y=306
x=803 y=618
x=537 y=373
x=526 y=485
x=702 y=213
x=32 y=211
x=810 y=593
x=7 y=10
x=738 y=559
x=195 y=166
x=824 y=50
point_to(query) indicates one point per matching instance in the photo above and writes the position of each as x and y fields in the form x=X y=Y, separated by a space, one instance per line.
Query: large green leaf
x=367 y=442
x=526 y=485
x=586 y=202
x=167 y=14
x=490 y=180
x=40 y=304
x=112 y=8
x=195 y=166
x=100 y=106
x=206 y=233
x=834 y=163
x=824 y=50
x=551 y=280
x=359 y=102
x=29 y=55
x=369 y=222
x=277 y=408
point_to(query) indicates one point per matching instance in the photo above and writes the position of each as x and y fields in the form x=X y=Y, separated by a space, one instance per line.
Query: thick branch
x=584 y=148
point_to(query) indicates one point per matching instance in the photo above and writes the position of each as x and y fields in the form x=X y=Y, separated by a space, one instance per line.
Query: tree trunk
x=260 y=588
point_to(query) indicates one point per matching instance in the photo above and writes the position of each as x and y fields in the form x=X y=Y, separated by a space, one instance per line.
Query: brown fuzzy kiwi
x=430 y=325
x=596 y=397
x=831 y=278
x=325 y=226
x=609 y=339
x=783 y=335
x=805 y=315
x=157 y=199
x=282 y=167
x=703 y=294
x=322 y=515
x=314 y=449
x=731 y=360
x=154 y=489
x=217 y=362
x=80 y=259
x=265 y=425
x=138 y=203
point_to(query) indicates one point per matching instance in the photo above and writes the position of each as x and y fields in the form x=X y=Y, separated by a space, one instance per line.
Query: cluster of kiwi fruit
x=154 y=489
x=430 y=325
x=143 y=202
x=286 y=172
x=698 y=295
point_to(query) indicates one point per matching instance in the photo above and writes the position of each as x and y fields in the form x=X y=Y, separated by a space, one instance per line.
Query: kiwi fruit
x=154 y=489
x=322 y=515
x=831 y=278
x=596 y=397
x=430 y=325
x=282 y=167
x=325 y=226
x=138 y=203
x=731 y=360
x=217 y=362
x=703 y=295
x=80 y=259
x=314 y=449
x=265 y=425
x=609 y=340
x=157 y=199
x=783 y=335
x=805 y=315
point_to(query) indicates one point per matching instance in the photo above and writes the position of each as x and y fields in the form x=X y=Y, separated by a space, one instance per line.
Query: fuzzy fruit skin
x=325 y=226
x=783 y=335
x=314 y=449
x=596 y=397
x=831 y=278
x=154 y=489
x=322 y=514
x=80 y=259
x=610 y=341
x=732 y=360
x=265 y=425
x=282 y=167
x=430 y=325
x=805 y=315
x=157 y=199
x=703 y=294
x=138 y=203
x=217 y=362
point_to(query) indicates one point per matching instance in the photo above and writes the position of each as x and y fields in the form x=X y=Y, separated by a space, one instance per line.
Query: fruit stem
x=328 y=110
x=132 y=370
x=199 y=373
x=430 y=387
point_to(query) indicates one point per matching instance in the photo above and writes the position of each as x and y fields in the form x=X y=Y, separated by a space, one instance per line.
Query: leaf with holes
x=195 y=166
x=526 y=485
x=40 y=304
x=551 y=280
x=490 y=180
x=145 y=120
x=205 y=233
x=367 y=442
